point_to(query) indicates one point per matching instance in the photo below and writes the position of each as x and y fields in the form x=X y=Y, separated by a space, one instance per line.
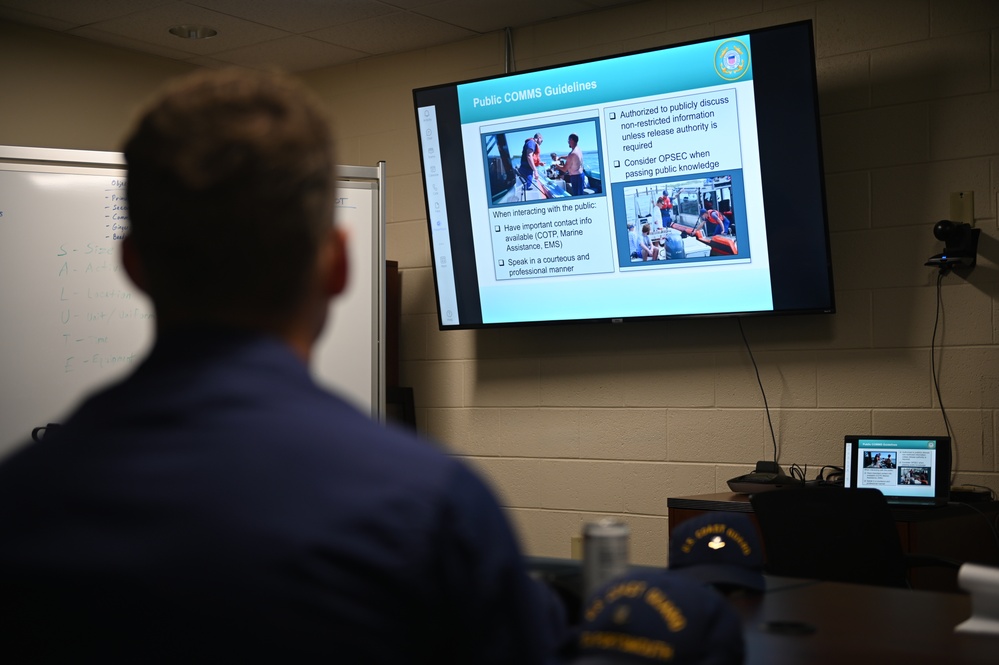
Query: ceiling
x=295 y=35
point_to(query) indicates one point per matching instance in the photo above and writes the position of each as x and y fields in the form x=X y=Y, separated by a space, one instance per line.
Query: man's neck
x=297 y=338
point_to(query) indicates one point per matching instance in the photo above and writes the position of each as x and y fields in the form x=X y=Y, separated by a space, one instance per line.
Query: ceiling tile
x=418 y=5
x=295 y=53
x=400 y=31
x=299 y=16
x=348 y=29
x=130 y=44
x=77 y=13
x=515 y=13
x=152 y=27
x=27 y=18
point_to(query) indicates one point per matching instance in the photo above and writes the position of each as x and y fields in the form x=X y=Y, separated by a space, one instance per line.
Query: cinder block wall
x=572 y=422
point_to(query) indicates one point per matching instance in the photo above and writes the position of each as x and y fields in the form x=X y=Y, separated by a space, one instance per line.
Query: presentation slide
x=621 y=181
x=906 y=468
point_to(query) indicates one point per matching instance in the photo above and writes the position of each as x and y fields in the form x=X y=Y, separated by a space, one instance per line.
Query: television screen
x=680 y=181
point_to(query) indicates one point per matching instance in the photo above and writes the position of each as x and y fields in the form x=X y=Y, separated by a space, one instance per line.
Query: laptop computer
x=908 y=470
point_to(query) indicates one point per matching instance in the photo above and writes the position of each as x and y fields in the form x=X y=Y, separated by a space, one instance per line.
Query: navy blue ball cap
x=659 y=616
x=719 y=548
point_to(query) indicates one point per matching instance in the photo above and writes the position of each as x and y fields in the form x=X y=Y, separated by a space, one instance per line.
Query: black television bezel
x=798 y=287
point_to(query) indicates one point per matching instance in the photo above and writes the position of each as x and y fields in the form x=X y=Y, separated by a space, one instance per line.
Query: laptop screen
x=906 y=469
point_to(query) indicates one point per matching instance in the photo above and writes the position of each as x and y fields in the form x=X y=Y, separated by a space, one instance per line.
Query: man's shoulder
x=258 y=401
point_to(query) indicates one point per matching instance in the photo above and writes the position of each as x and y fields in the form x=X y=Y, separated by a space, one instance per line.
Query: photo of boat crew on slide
x=680 y=219
x=541 y=162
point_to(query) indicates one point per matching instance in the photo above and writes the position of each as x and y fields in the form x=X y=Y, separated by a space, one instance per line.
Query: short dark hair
x=573 y=138
x=230 y=188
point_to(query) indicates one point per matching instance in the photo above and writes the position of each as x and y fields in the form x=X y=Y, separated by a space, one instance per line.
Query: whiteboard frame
x=28 y=155
x=65 y=160
x=375 y=175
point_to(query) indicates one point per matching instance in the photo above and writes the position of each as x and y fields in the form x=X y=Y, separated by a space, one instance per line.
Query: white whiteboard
x=72 y=321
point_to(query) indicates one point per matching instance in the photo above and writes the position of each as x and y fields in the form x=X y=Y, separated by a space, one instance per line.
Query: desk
x=963 y=532
x=858 y=624
x=850 y=624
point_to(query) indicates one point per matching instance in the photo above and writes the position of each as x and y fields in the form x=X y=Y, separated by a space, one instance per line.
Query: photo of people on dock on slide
x=537 y=163
x=680 y=219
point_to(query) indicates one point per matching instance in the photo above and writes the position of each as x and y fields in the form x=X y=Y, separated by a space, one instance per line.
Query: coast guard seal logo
x=732 y=59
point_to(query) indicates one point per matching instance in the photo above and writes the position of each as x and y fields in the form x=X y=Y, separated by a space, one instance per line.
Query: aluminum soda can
x=605 y=552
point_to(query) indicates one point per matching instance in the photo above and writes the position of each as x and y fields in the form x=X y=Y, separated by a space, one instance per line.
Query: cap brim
x=726 y=574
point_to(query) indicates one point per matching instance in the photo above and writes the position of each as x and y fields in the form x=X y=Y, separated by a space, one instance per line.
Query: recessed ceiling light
x=193 y=31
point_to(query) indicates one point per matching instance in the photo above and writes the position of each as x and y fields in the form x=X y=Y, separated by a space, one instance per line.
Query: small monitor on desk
x=908 y=470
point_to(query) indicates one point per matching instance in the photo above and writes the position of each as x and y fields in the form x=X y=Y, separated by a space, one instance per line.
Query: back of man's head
x=230 y=192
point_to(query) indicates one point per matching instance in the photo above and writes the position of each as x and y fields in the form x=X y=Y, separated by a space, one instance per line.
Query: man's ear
x=132 y=263
x=337 y=265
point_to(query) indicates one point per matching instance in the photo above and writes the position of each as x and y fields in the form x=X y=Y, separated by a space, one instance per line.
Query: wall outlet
x=962 y=207
x=576 y=548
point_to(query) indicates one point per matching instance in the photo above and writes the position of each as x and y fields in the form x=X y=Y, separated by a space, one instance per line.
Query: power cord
x=933 y=371
x=992 y=492
x=990 y=520
x=834 y=477
x=763 y=392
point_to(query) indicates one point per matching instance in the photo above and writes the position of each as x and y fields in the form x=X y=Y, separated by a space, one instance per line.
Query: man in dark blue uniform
x=217 y=505
x=528 y=164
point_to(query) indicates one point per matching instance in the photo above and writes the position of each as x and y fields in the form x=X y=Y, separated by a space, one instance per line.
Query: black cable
x=763 y=392
x=992 y=492
x=988 y=520
x=936 y=380
x=834 y=471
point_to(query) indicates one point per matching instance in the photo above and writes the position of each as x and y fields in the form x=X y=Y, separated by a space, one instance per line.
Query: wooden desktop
x=962 y=532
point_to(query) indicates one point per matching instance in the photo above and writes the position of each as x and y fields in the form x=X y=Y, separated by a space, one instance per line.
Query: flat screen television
x=673 y=182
